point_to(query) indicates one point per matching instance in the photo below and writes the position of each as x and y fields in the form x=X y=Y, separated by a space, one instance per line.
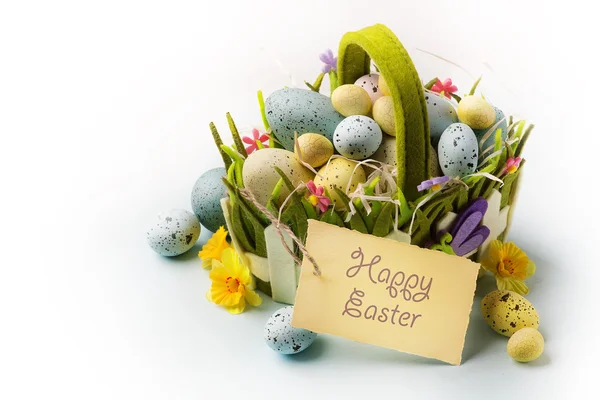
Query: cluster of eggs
x=512 y=315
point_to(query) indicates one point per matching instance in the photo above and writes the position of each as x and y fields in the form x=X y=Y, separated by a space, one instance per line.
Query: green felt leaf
x=430 y=84
x=239 y=145
x=244 y=237
x=311 y=213
x=456 y=97
x=288 y=183
x=333 y=81
x=385 y=221
x=521 y=143
x=505 y=191
x=410 y=111
x=332 y=217
x=263 y=114
x=219 y=143
x=316 y=87
x=474 y=87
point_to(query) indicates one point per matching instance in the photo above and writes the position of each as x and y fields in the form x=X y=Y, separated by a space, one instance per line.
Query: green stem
x=239 y=145
x=219 y=143
x=263 y=114
x=474 y=87
x=430 y=84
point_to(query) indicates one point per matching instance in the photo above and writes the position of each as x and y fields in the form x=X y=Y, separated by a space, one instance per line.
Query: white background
x=104 y=112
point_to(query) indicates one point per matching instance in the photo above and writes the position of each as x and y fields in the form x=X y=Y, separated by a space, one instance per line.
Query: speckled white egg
x=441 y=114
x=370 y=83
x=383 y=114
x=357 y=137
x=206 y=198
x=458 y=150
x=282 y=337
x=260 y=176
x=173 y=233
x=351 y=100
x=342 y=174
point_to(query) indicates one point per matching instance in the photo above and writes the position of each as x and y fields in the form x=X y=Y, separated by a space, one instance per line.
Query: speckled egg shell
x=491 y=140
x=525 y=345
x=506 y=312
x=282 y=337
x=357 y=137
x=458 y=150
x=292 y=110
x=386 y=153
x=173 y=233
x=206 y=198
x=351 y=100
x=476 y=112
x=260 y=176
x=315 y=149
x=370 y=83
x=441 y=113
x=383 y=114
x=337 y=174
x=383 y=86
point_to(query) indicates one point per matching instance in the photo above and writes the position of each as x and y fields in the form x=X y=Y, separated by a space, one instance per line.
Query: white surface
x=104 y=111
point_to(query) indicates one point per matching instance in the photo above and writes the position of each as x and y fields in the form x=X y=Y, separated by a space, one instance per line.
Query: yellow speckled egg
x=337 y=174
x=351 y=100
x=476 y=112
x=506 y=312
x=383 y=114
x=260 y=176
x=314 y=149
x=383 y=86
x=525 y=345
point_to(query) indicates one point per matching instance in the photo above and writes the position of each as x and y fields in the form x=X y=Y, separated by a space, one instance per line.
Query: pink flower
x=254 y=140
x=444 y=88
x=316 y=197
x=512 y=165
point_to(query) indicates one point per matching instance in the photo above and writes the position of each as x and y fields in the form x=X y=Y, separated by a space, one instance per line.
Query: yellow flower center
x=512 y=169
x=436 y=187
x=233 y=284
x=312 y=199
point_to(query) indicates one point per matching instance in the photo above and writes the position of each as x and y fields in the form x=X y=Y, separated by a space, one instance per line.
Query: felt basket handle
x=380 y=44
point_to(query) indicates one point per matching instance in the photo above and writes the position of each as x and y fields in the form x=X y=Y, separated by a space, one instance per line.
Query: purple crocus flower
x=468 y=233
x=435 y=183
x=329 y=60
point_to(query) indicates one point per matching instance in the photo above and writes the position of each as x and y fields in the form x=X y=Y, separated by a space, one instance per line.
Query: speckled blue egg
x=173 y=232
x=282 y=337
x=441 y=113
x=458 y=150
x=292 y=110
x=491 y=140
x=206 y=198
x=357 y=137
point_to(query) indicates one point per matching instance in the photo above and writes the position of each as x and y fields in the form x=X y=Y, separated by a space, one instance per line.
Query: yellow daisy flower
x=510 y=265
x=213 y=249
x=232 y=284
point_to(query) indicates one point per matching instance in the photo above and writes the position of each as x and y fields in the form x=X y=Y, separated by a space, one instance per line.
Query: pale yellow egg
x=383 y=114
x=476 y=112
x=525 y=345
x=337 y=174
x=314 y=149
x=351 y=100
x=383 y=86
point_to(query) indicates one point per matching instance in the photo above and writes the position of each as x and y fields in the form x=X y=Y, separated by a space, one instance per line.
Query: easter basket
x=457 y=200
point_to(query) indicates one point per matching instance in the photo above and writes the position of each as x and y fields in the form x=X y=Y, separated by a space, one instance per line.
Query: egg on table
x=314 y=149
x=458 y=151
x=476 y=112
x=173 y=233
x=383 y=114
x=441 y=114
x=261 y=178
x=370 y=83
x=351 y=100
x=338 y=174
x=525 y=345
x=357 y=137
x=206 y=198
x=290 y=110
x=506 y=312
x=282 y=337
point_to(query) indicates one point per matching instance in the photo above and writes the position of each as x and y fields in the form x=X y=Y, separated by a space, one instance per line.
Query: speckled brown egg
x=370 y=83
x=260 y=176
x=383 y=114
x=338 y=173
x=506 y=312
x=351 y=100
x=314 y=149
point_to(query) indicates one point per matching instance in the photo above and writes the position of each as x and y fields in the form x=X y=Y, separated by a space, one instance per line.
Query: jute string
x=279 y=227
